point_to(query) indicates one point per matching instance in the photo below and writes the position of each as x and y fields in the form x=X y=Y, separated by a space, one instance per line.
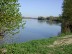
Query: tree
x=10 y=17
x=40 y=18
x=67 y=16
x=51 y=18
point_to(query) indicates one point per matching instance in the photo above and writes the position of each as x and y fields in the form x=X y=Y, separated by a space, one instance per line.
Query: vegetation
x=41 y=18
x=55 y=45
x=67 y=16
x=10 y=17
x=50 y=18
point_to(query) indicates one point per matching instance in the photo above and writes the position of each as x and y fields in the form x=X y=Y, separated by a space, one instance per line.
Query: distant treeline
x=49 y=18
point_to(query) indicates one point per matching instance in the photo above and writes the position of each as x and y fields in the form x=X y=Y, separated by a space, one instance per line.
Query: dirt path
x=62 y=41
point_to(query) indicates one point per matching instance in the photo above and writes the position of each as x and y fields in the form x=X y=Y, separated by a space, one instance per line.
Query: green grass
x=38 y=47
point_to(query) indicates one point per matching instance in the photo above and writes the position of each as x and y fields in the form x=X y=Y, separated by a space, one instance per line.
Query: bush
x=40 y=18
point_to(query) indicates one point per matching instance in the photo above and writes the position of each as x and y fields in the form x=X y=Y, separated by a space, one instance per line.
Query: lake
x=33 y=30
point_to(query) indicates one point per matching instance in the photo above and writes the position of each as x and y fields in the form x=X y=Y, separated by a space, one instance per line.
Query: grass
x=37 y=47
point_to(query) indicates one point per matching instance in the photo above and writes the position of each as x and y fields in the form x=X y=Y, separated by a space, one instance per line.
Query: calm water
x=33 y=30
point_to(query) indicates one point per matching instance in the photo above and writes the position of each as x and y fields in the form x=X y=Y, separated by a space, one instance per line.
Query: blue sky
x=35 y=8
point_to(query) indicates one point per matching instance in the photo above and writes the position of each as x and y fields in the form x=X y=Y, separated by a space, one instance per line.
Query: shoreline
x=58 y=44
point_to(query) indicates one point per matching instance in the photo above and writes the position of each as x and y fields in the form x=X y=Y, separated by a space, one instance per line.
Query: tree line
x=51 y=18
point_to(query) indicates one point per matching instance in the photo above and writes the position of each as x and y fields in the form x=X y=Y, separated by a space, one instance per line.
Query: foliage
x=38 y=47
x=32 y=47
x=47 y=18
x=51 y=17
x=10 y=17
x=40 y=18
x=67 y=16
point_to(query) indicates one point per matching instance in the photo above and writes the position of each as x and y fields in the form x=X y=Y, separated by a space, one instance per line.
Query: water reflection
x=33 y=30
x=49 y=22
x=9 y=35
x=41 y=21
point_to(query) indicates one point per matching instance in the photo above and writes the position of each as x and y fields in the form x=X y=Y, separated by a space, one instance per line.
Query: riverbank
x=55 y=45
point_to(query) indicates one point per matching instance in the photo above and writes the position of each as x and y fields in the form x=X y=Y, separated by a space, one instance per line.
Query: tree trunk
x=70 y=26
x=66 y=28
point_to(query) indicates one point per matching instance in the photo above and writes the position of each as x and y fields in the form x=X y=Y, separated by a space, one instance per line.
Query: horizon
x=45 y=8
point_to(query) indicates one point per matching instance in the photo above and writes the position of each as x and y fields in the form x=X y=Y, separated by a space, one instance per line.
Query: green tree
x=40 y=18
x=67 y=16
x=51 y=18
x=10 y=17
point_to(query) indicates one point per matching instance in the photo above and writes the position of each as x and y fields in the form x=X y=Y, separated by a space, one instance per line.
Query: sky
x=35 y=8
